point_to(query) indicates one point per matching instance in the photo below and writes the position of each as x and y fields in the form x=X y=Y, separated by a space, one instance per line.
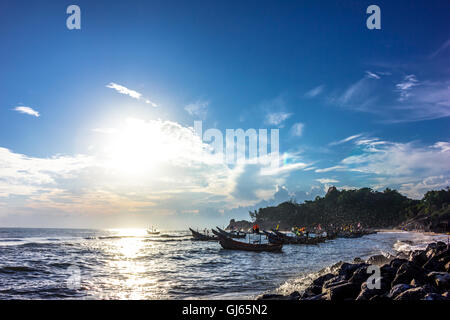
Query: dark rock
x=407 y=272
x=441 y=280
x=333 y=282
x=412 y=294
x=434 y=297
x=360 y=275
x=398 y=289
x=358 y=260
x=447 y=267
x=322 y=296
x=343 y=291
x=446 y=295
x=347 y=269
x=367 y=293
x=418 y=257
x=272 y=296
x=378 y=260
x=320 y=280
x=396 y=263
x=312 y=290
x=295 y=295
x=379 y=298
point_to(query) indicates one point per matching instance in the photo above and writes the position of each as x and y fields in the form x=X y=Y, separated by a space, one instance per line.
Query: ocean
x=129 y=264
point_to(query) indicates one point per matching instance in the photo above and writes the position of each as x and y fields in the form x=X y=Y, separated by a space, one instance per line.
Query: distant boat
x=228 y=243
x=202 y=237
x=152 y=231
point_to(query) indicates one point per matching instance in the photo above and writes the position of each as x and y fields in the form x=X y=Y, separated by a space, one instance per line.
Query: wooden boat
x=298 y=240
x=236 y=235
x=272 y=238
x=230 y=244
x=202 y=237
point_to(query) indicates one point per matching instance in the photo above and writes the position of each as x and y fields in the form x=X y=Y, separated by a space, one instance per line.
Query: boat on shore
x=230 y=244
x=232 y=234
x=202 y=237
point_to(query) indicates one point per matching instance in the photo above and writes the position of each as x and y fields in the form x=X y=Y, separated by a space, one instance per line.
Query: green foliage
x=371 y=208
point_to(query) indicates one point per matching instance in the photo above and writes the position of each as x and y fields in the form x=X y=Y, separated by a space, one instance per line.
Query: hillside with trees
x=373 y=209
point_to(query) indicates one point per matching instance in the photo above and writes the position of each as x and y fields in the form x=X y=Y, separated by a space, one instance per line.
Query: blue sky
x=110 y=143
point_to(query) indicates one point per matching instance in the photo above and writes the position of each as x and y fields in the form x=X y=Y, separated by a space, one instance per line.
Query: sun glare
x=136 y=148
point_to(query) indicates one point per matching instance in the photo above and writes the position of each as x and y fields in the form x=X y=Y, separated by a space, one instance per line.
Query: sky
x=96 y=124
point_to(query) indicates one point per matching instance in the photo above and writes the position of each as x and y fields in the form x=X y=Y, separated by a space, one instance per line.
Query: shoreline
x=347 y=281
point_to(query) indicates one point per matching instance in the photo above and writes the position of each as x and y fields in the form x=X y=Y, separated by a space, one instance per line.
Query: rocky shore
x=414 y=275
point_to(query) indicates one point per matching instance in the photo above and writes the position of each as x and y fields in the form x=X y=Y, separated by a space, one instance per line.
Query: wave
x=14 y=269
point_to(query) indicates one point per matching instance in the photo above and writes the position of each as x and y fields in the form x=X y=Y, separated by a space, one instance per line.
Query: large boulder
x=379 y=260
x=398 y=289
x=360 y=275
x=418 y=257
x=407 y=272
x=441 y=280
x=336 y=280
x=347 y=269
x=396 y=263
x=311 y=291
x=345 y=291
x=412 y=294
x=320 y=280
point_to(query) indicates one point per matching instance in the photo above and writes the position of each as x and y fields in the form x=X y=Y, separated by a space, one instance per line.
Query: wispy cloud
x=404 y=87
x=327 y=181
x=350 y=138
x=198 y=109
x=441 y=49
x=27 y=110
x=334 y=168
x=314 y=92
x=372 y=75
x=132 y=93
x=277 y=118
x=297 y=129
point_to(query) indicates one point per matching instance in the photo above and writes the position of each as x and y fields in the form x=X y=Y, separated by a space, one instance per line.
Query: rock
x=412 y=294
x=434 y=297
x=446 y=295
x=358 y=260
x=418 y=257
x=440 y=279
x=398 y=289
x=378 y=260
x=407 y=272
x=347 y=269
x=322 y=296
x=360 y=275
x=312 y=290
x=447 y=267
x=379 y=298
x=396 y=263
x=295 y=295
x=333 y=282
x=272 y=296
x=320 y=280
x=367 y=293
x=343 y=291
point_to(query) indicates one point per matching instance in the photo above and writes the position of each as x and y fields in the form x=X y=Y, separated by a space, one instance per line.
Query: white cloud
x=297 y=129
x=277 y=118
x=27 y=110
x=198 y=109
x=327 y=181
x=314 y=92
x=350 y=138
x=404 y=87
x=132 y=93
x=334 y=168
x=372 y=75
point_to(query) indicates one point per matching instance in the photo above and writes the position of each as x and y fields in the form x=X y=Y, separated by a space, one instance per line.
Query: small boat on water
x=230 y=244
x=298 y=240
x=152 y=231
x=202 y=237
x=232 y=234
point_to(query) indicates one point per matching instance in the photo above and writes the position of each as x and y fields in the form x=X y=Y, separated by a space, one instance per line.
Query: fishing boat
x=232 y=234
x=298 y=240
x=152 y=231
x=202 y=237
x=230 y=244
x=272 y=238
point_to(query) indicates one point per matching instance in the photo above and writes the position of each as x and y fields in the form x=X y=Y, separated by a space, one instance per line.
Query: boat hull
x=230 y=244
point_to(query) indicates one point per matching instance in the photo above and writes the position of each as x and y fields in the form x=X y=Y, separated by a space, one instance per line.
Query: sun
x=136 y=148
